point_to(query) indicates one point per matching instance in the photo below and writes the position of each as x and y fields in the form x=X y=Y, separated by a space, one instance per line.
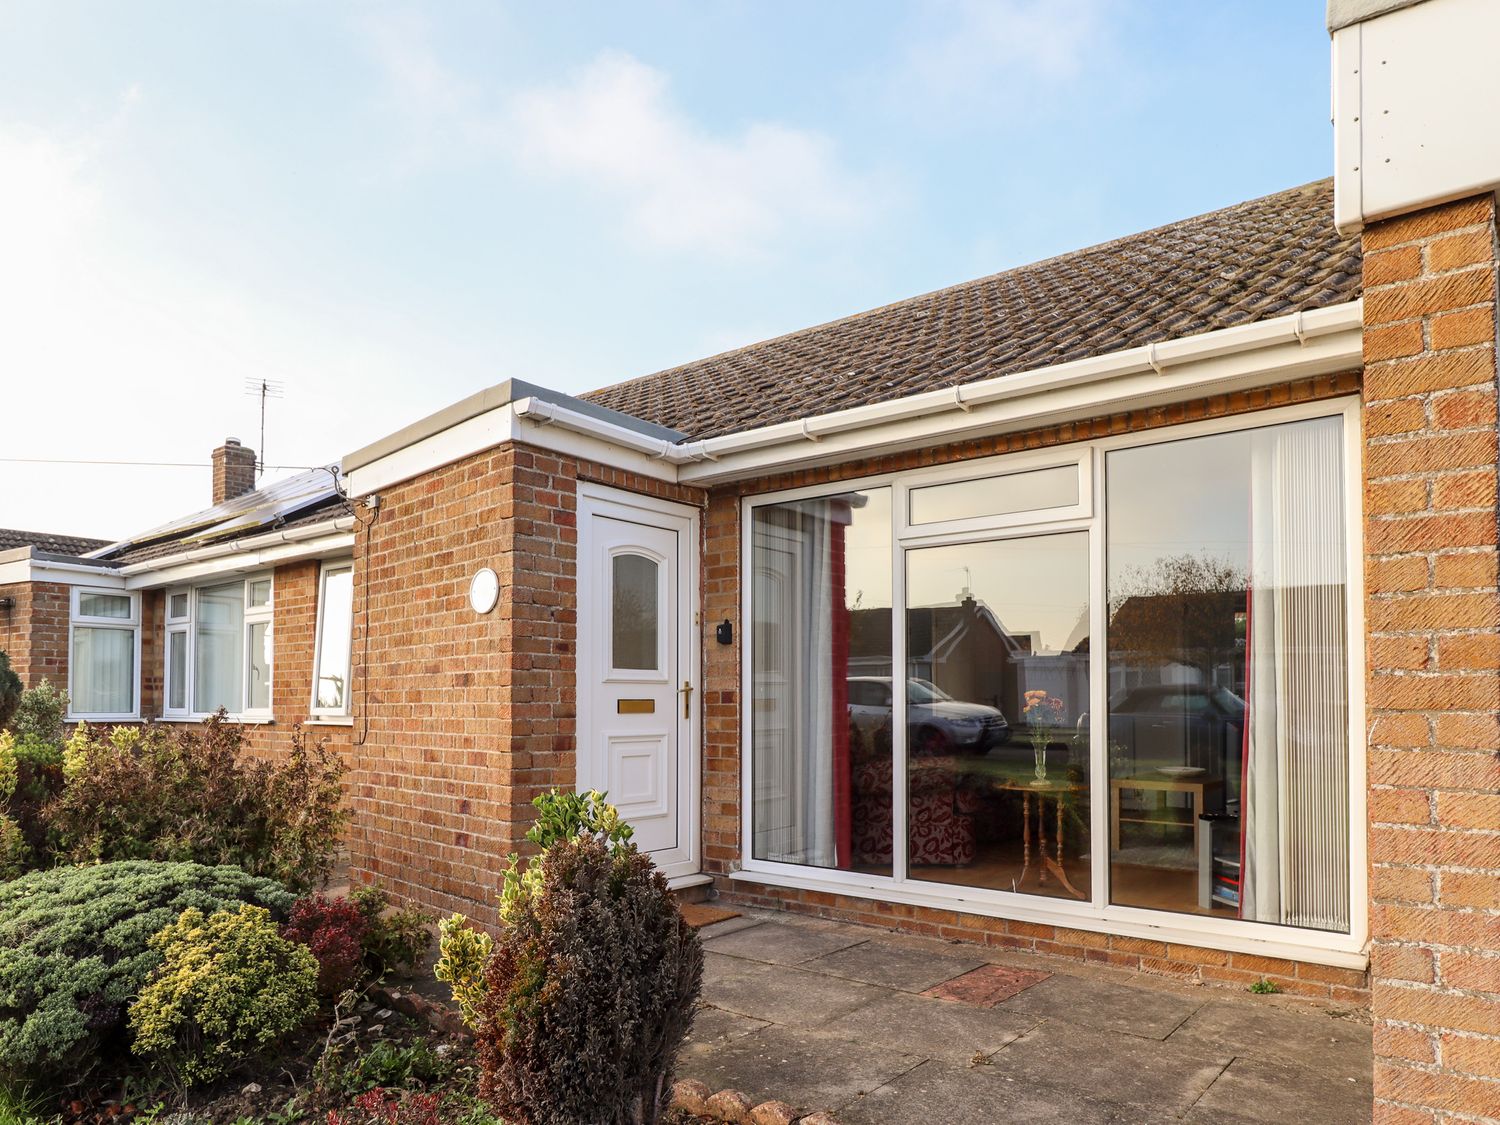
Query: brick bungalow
x=1185 y=545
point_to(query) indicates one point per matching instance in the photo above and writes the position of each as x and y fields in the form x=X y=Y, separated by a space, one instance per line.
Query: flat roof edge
x=1346 y=13
x=492 y=398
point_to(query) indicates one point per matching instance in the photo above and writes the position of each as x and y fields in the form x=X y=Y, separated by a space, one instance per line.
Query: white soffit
x=1416 y=92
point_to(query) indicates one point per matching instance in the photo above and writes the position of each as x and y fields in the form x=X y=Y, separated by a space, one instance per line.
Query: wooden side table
x=1197 y=787
x=1034 y=829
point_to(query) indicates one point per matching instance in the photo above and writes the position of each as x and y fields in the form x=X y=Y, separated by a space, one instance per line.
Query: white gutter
x=545 y=413
x=311 y=541
x=21 y=565
x=1297 y=328
x=1319 y=341
x=1281 y=349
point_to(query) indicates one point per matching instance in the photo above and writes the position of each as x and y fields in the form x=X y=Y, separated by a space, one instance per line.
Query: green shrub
x=561 y=816
x=10 y=690
x=394 y=941
x=589 y=992
x=40 y=714
x=31 y=775
x=14 y=851
x=192 y=793
x=463 y=952
x=228 y=986
x=76 y=942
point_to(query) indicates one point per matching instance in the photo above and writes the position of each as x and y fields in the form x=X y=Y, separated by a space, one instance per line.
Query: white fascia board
x=1320 y=342
x=473 y=435
x=25 y=568
x=316 y=541
x=560 y=430
x=531 y=421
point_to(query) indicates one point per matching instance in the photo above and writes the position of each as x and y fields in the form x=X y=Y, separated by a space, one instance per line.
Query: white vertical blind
x=1297 y=764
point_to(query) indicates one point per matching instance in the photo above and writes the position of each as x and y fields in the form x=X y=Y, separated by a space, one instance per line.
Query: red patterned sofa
x=942 y=814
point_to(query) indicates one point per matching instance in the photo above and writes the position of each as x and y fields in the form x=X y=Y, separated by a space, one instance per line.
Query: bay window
x=1108 y=685
x=335 y=633
x=104 y=646
x=219 y=652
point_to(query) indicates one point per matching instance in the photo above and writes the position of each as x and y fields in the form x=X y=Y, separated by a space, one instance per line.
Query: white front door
x=638 y=699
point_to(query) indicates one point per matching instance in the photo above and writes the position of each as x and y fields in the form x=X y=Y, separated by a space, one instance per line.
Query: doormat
x=699 y=914
x=986 y=986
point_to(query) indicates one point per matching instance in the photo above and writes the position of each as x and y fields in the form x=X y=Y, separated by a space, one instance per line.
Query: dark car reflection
x=1195 y=729
x=936 y=722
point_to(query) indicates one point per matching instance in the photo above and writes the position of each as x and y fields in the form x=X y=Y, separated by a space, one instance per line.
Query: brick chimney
x=234 y=470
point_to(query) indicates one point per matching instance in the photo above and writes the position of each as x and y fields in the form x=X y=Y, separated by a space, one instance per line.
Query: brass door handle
x=687 y=699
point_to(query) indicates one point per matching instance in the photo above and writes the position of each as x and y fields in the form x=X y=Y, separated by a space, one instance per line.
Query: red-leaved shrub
x=334 y=931
x=382 y=1107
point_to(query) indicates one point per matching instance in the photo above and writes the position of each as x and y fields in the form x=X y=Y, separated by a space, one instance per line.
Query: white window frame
x=1096 y=914
x=77 y=618
x=187 y=626
x=337 y=566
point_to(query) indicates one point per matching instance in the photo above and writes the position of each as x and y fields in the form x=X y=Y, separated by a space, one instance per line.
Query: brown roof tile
x=46 y=541
x=1270 y=256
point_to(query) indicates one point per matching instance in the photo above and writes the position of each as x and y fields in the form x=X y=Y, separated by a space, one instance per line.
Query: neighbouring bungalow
x=1137 y=606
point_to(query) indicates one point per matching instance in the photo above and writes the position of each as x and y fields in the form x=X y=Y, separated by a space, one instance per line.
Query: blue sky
x=388 y=207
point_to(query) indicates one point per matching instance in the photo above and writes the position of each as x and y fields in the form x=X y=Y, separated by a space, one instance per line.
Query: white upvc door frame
x=685 y=520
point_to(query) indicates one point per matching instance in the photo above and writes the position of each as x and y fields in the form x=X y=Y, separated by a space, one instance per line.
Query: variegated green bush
x=228 y=987
x=462 y=953
x=75 y=949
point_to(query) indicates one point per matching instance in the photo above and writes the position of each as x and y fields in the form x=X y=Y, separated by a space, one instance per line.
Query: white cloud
x=971 y=44
x=615 y=128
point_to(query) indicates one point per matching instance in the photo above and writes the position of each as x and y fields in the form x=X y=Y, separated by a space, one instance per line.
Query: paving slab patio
x=935 y=1093
x=1257 y=1090
x=895 y=966
x=781 y=944
x=826 y=1016
x=790 y=997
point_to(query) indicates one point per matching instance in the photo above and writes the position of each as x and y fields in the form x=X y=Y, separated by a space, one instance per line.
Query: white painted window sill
x=236 y=720
x=329 y=721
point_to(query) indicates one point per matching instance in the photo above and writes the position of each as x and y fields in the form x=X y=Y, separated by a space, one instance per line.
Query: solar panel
x=275 y=501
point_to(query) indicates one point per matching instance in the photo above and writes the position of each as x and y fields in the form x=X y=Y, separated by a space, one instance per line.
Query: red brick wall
x=721 y=781
x=34 y=632
x=1434 y=648
x=463 y=718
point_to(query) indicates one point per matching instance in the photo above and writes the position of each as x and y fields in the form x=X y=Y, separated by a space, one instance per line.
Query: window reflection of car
x=1197 y=725
x=936 y=722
